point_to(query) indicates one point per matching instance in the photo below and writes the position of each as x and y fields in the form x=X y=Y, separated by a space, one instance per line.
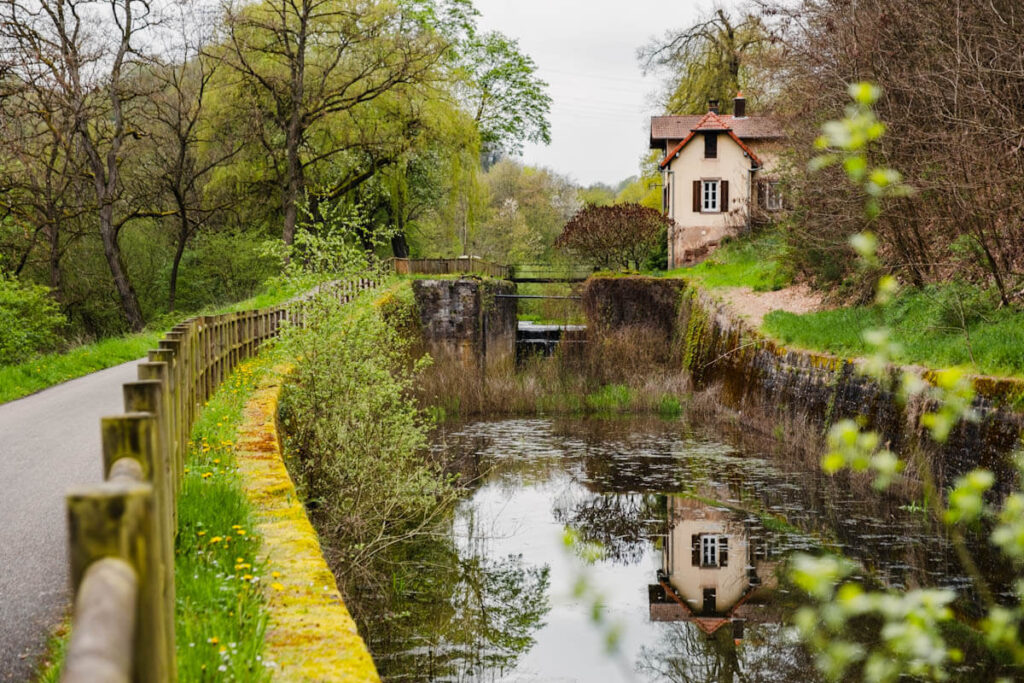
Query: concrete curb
x=311 y=635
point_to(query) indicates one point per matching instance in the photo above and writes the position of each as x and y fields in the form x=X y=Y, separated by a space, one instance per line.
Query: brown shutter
x=696 y=196
x=723 y=552
x=761 y=193
x=695 y=550
x=724 y=205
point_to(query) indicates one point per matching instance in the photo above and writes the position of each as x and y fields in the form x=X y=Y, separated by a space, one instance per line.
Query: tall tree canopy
x=711 y=60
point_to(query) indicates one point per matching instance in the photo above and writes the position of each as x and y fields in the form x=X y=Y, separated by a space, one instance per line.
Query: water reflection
x=695 y=532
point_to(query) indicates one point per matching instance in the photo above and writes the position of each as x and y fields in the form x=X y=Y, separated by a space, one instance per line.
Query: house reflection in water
x=717 y=566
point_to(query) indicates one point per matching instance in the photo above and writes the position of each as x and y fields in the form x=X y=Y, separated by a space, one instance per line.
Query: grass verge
x=221 y=616
x=52 y=662
x=754 y=262
x=938 y=326
x=51 y=369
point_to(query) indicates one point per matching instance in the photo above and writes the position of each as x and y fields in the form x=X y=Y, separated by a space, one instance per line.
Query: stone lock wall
x=719 y=349
x=465 y=319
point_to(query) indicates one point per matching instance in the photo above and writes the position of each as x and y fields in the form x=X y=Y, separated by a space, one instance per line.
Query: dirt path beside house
x=754 y=306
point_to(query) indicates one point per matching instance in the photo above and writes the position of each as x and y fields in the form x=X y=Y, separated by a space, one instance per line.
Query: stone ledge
x=311 y=635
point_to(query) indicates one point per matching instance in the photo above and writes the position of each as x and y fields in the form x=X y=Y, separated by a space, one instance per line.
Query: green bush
x=355 y=437
x=30 y=320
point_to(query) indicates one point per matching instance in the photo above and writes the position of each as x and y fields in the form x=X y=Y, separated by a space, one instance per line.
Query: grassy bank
x=51 y=369
x=937 y=326
x=221 y=617
x=755 y=262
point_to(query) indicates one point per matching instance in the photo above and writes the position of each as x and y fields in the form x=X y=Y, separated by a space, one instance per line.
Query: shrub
x=614 y=236
x=30 y=320
x=358 y=440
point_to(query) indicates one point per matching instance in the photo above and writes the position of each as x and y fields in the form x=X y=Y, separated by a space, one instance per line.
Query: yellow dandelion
x=216 y=539
x=200 y=533
x=241 y=532
x=213 y=641
x=207 y=475
x=247 y=577
x=239 y=559
x=276 y=575
x=277 y=586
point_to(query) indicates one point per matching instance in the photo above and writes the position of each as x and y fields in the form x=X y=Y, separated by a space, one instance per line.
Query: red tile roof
x=709 y=125
x=665 y=128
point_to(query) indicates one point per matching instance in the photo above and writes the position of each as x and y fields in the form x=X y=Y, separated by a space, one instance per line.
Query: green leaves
x=858 y=450
x=910 y=641
x=847 y=141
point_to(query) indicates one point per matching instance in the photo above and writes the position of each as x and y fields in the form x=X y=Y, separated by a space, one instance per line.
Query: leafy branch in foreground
x=911 y=639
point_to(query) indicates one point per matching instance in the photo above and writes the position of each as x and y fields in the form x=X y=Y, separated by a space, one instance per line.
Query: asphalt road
x=48 y=442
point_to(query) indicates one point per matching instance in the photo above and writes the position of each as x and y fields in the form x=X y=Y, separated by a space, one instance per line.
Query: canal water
x=692 y=532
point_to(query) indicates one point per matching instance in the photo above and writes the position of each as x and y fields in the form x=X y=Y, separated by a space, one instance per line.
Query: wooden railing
x=449 y=266
x=121 y=531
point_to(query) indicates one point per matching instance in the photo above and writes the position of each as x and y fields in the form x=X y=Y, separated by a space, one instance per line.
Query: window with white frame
x=710 y=550
x=710 y=196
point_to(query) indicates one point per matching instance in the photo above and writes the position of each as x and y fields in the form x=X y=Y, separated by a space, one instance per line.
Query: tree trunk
x=56 y=277
x=293 y=178
x=125 y=290
x=178 y=252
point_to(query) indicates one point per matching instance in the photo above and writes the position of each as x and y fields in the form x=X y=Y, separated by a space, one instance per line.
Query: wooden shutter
x=695 y=550
x=723 y=551
x=696 y=196
x=761 y=193
x=723 y=204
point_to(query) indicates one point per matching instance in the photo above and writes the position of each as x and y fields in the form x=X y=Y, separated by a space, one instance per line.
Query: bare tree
x=953 y=79
x=181 y=153
x=712 y=59
x=84 y=54
x=40 y=178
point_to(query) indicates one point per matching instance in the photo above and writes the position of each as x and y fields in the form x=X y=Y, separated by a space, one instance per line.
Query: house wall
x=691 y=518
x=697 y=233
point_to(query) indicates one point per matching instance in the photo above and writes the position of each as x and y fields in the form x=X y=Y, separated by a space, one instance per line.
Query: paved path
x=48 y=442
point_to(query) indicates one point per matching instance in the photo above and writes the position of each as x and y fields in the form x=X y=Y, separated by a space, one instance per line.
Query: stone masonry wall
x=719 y=349
x=465 y=319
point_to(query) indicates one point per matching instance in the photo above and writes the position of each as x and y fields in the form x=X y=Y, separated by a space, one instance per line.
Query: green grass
x=51 y=369
x=611 y=398
x=929 y=325
x=754 y=262
x=52 y=663
x=221 y=619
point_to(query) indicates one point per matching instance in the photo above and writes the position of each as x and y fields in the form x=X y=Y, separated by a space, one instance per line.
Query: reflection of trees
x=428 y=614
x=622 y=524
x=685 y=654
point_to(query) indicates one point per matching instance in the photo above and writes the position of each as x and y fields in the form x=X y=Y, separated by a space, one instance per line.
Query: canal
x=693 y=527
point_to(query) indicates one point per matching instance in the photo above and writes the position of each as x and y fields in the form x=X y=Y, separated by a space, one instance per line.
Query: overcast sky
x=586 y=51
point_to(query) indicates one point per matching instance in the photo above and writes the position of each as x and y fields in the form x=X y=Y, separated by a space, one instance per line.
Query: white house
x=717 y=171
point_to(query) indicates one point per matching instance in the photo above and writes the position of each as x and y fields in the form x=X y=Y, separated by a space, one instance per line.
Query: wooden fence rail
x=449 y=266
x=121 y=531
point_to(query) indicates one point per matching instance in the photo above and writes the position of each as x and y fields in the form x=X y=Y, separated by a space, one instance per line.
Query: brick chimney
x=739 y=106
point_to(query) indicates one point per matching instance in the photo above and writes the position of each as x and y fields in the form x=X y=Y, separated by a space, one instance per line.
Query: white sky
x=586 y=51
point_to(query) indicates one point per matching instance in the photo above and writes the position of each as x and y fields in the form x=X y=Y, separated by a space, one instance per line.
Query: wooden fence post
x=159 y=371
x=115 y=519
x=136 y=437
